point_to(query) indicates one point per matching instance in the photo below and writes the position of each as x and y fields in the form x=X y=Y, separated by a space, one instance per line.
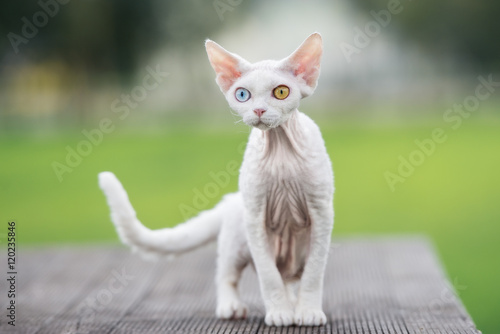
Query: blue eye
x=242 y=94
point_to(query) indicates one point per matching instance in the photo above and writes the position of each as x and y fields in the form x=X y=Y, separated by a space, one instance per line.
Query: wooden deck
x=381 y=285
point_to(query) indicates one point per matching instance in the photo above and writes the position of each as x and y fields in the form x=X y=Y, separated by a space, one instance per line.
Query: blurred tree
x=94 y=44
x=464 y=28
x=101 y=36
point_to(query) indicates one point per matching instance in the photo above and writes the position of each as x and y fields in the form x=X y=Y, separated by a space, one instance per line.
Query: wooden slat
x=381 y=285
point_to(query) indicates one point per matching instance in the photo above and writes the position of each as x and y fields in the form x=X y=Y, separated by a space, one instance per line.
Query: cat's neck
x=285 y=141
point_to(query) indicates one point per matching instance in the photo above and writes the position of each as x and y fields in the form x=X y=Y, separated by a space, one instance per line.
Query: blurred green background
x=74 y=102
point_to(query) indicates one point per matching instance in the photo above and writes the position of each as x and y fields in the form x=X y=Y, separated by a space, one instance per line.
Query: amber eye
x=281 y=92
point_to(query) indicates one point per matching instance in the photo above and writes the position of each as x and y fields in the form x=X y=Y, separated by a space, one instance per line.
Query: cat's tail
x=193 y=233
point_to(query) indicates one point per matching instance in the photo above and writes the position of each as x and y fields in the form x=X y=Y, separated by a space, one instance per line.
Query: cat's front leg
x=309 y=311
x=279 y=309
x=233 y=256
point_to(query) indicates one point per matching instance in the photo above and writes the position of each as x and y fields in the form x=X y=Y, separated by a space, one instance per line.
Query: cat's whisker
x=234 y=113
x=239 y=121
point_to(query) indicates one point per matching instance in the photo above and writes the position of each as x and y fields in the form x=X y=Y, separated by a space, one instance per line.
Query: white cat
x=282 y=217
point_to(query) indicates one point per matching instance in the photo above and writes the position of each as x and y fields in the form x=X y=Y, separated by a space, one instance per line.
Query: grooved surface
x=372 y=285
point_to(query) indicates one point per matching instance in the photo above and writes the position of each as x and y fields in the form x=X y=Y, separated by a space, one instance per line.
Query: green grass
x=453 y=197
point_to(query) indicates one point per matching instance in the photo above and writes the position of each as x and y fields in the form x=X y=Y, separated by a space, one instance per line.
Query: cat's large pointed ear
x=304 y=63
x=228 y=66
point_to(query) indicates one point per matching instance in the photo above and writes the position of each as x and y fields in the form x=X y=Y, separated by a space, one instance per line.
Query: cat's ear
x=228 y=66
x=304 y=63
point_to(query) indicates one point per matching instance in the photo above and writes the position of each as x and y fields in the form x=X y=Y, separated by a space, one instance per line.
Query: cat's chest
x=286 y=203
x=283 y=165
x=284 y=182
x=288 y=224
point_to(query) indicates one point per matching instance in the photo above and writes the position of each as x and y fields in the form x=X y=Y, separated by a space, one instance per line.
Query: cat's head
x=265 y=93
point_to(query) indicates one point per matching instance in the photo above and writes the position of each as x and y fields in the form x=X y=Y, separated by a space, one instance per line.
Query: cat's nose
x=259 y=112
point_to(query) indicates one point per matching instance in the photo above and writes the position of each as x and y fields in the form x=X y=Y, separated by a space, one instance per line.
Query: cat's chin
x=262 y=125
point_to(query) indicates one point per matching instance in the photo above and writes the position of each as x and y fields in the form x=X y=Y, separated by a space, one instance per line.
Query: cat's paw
x=233 y=309
x=279 y=317
x=309 y=317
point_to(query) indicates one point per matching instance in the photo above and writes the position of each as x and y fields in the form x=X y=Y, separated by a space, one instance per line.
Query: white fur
x=282 y=217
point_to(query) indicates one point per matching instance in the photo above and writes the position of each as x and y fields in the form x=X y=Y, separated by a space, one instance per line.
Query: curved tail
x=193 y=233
